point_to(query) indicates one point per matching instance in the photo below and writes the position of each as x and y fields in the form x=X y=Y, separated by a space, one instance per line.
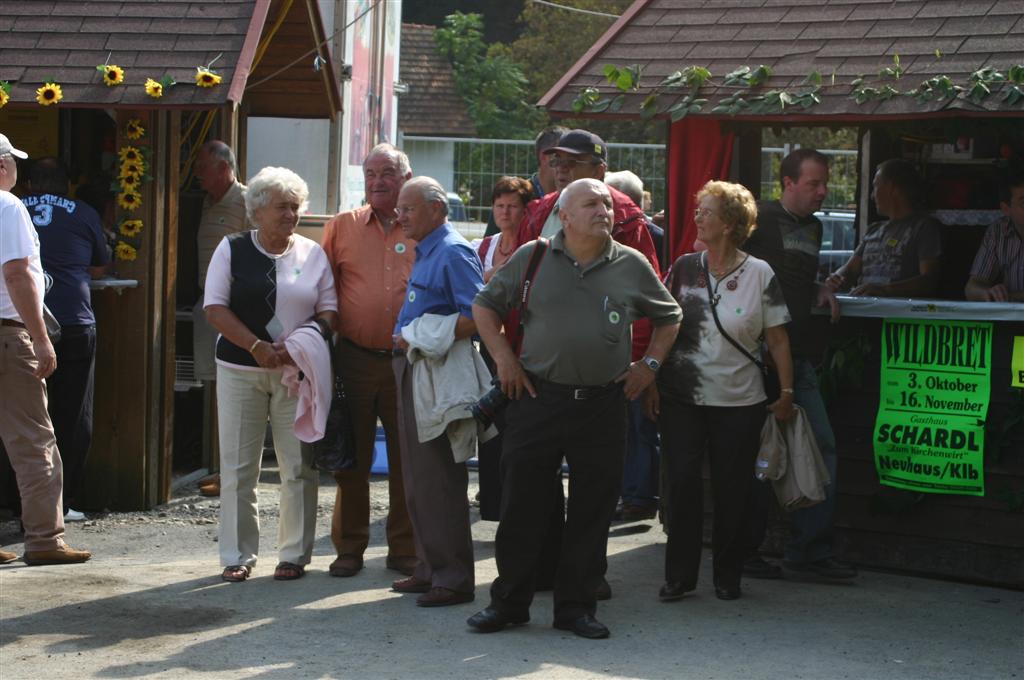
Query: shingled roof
x=847 y=38
x=432 y=106
x=64 y=40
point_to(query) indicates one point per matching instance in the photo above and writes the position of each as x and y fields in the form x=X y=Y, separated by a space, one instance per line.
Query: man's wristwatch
x=652 y=363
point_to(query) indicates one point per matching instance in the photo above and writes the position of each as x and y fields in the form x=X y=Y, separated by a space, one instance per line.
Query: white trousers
x=245 y=399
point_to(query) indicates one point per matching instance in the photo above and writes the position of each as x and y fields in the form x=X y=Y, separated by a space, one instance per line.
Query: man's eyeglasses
x=701 y=213
x=569 y=162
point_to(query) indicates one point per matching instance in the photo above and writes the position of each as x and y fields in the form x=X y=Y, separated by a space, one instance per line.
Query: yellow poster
x=1017 y=363
x=34 y=130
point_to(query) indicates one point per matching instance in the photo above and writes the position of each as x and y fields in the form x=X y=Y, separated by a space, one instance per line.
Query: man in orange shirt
x=371 y=260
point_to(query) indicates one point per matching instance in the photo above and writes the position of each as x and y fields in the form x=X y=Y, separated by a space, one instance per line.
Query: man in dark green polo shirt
x=569 y=389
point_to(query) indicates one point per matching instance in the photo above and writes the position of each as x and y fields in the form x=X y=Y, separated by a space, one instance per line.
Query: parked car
x=456 y=208
x=838 y=239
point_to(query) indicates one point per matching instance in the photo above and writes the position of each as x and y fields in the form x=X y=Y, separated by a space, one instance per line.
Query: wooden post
x=130 y=460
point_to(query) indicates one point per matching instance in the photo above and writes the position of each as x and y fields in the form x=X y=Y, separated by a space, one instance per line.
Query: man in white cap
x=26 y=359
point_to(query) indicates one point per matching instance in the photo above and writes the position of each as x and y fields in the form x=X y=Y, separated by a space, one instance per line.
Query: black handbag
x=336 y=452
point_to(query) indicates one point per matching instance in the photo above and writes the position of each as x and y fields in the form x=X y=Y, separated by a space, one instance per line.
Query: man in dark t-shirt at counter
x=73 y=250
x=898 y=257
x=788 y=237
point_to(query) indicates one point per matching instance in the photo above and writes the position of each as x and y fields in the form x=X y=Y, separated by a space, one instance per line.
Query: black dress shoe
x=491 y=620
x=584 y=626
x=670 y=592
x=728 y=593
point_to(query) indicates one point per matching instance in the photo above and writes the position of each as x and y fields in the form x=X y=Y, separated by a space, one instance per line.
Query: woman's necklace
x=504 y=253
x=259 y=240
x=722 y=274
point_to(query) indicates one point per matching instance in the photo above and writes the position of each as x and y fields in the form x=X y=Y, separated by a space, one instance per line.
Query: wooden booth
x=940 y=84
x=124 y=94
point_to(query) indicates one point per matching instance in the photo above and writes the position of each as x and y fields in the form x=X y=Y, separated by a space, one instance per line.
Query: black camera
x=490 y=405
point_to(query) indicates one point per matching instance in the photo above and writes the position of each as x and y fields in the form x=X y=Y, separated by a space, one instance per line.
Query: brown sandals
x=286 y=571
x=236 y=573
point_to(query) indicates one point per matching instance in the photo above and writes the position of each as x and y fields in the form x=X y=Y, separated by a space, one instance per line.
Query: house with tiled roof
x=94 y=83
x=939 y=83
x=430 y=106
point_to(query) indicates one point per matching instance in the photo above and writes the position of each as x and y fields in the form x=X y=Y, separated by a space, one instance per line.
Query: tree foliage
x=552 y=40
x=492 y=84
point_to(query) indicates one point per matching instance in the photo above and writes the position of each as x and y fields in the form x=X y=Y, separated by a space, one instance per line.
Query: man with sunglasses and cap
x=581 y=154
x=27 y=358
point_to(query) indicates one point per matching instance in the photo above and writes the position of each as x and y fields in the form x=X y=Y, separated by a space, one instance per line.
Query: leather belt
x=11 y=322
x=574 y=392
x=375 y=352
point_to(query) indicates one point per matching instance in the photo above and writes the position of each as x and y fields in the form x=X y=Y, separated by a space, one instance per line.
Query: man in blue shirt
x=73 y=250
x=445 y=278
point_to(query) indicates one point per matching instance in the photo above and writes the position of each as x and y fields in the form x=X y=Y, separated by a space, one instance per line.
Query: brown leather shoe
x=403 y=564
x=65 y=555
x=6 y=557
x=442 y=597
x=410 y=585
x=210 y=486
x=346 y=565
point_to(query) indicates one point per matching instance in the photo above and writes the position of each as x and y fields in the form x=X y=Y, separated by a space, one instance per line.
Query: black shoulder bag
x=337 y=450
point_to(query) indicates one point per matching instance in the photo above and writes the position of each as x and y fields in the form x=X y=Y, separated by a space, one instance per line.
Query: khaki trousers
x=27 y=434
x=245 y=399
x=370 y=387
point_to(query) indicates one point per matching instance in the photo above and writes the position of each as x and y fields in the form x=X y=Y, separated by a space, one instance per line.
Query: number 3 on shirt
x=43 y=216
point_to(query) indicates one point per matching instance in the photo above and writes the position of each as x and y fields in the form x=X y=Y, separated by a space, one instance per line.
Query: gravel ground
x=151 y=603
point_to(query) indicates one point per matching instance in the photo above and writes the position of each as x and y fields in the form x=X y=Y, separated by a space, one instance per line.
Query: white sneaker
x=73 y=516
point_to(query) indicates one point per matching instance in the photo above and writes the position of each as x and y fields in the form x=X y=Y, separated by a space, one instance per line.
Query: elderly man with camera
x=569 y=389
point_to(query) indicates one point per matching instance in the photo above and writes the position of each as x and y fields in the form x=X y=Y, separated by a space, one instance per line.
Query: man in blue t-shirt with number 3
x=73 y=250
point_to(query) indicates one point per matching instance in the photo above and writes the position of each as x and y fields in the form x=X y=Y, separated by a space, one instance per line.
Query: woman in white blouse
x=710 y=395
x=260 y=286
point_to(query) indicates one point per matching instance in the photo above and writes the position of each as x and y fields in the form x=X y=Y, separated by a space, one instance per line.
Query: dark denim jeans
x=640 y=473
x=810 y=529
x=70 y=391
x=810 y=532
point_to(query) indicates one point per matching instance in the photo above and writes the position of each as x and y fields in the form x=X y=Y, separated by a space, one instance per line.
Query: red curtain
x=697 y=152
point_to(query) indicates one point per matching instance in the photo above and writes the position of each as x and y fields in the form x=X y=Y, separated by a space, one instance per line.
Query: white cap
x=7 y=148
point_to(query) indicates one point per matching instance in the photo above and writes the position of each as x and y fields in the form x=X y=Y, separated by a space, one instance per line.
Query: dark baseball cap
x=580 y=142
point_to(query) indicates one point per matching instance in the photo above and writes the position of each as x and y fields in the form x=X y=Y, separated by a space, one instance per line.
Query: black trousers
x=591 y=435
x=71 y=390
x=731 y=436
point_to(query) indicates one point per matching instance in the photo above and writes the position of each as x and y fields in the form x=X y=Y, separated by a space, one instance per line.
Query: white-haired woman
x=260 y=286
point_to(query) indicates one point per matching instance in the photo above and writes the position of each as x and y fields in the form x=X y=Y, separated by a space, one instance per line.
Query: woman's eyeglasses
x=701 y=213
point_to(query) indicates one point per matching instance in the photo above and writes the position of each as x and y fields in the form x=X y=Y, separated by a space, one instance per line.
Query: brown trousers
x=370 y=387
x=27 y=434
x=435 y=491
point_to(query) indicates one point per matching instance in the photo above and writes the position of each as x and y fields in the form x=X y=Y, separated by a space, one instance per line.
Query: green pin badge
x=614 y=317
x=412 y=296
x=399 y=248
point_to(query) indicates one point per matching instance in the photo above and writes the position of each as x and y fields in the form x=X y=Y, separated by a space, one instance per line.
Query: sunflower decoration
x=130 y=183
x=49 y=93
x=156 y=88
x=5 y=93
x=206 y=78
x=133 y=129
x=112 y=74
x=129 y=199
x=130 y=228
x=131 y=169
x=125 y=252
x=129 y=153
